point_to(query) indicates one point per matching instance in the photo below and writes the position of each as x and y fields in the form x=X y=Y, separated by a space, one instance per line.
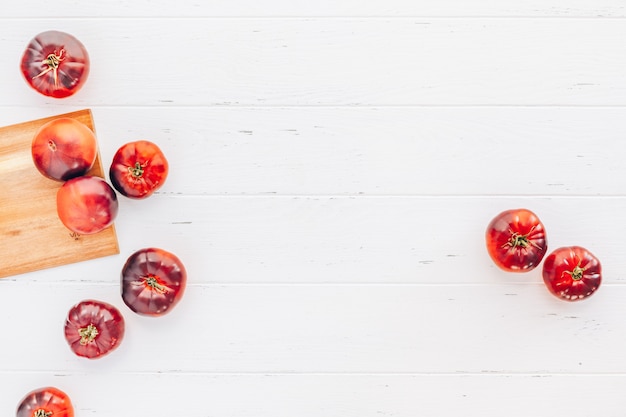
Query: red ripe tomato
x=516 y=240
x=138 y=169
x=572 y=273
x=94 y=328
x=55 y=64
x=45 y=402
x=153 y=281
x=87 y=205
x=64 y=148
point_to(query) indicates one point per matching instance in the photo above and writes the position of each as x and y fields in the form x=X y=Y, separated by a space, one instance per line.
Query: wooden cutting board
x=31 y=235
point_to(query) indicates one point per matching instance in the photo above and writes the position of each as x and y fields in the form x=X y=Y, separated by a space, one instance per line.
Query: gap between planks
x=354 y=196
x=483 y=374
x=321 y=17
x=367 y=106
x=223 y=284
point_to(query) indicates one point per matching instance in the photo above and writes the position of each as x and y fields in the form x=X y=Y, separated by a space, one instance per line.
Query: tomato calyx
x=576 y=273
x=137 y=170
x=53 y=61
x=42 y=413
x=519 y=240
x=152 y=282
x=88 y=334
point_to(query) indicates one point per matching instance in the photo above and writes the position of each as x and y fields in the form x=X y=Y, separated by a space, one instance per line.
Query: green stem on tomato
x=137 y=170
x=519 y=240
x=153 y=283
x=52 y=61
x=577 y=273
x=87 y=334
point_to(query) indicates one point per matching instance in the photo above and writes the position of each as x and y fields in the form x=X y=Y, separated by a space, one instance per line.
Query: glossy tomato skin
x=572 y=273
x=94 y=328
x=45 y=402
x=64 y=148
x=138 y=169
x=153 y=281
x=87 y=204
x=55 y=64
x=516 y=240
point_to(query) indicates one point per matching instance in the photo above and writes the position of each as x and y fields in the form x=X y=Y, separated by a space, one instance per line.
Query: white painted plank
x=330 y=240
x=372 y=151
x=401 y=8
x=498 y=328
x=304 y=62
x=199 y=395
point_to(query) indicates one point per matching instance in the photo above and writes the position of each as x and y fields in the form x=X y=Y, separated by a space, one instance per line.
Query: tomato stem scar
x=87 y=334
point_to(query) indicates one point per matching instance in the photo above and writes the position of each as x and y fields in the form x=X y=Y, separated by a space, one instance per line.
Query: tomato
x=138 y=169
x=45 y=402
x=152 y=281
x=94 y=328
x=64 y=148
x=56 y=64
x=572 y=273
x=87 y=204
x=516 y=240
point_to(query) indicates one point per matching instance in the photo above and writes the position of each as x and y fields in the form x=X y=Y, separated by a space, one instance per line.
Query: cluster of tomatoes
x=153 y=280
x=516 y=242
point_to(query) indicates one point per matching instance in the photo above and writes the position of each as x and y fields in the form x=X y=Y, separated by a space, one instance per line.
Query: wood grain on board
x=31 y=235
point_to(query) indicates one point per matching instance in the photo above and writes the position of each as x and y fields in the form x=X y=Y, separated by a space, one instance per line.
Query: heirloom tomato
x=64 y=148
x=94 y=328
x=516 y=240
x=56 y=64
x=572 y=273
x=87 y=204
x=152 y=281
x=45 y=402
x=138 y=169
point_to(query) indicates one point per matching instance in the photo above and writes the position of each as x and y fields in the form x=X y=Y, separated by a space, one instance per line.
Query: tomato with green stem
x=138 y=169
x=94 y=328
x=55 y=64
x=572 y=273
x=153 y=281
x=516 y=240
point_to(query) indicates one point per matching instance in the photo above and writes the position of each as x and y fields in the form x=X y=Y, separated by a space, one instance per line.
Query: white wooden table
x=334 y=165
